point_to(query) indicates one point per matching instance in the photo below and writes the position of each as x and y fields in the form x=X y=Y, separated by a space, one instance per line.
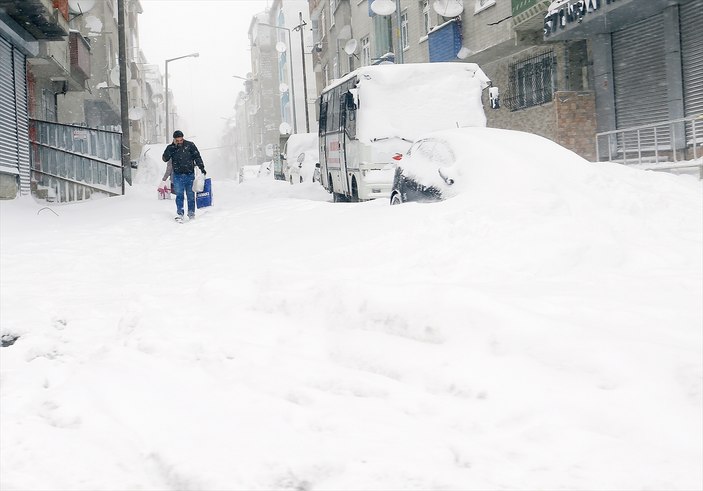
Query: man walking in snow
x=184 y=156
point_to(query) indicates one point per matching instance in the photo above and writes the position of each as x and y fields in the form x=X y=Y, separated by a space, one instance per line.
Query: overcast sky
x=203 y=87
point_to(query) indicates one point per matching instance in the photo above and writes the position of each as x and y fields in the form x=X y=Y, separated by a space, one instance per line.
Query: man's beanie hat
x=178 y=134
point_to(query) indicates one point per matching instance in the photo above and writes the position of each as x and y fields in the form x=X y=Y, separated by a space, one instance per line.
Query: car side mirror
x=443 y=174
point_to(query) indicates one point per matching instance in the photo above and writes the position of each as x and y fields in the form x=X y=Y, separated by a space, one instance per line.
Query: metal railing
x=71 y=162
x=677 y=143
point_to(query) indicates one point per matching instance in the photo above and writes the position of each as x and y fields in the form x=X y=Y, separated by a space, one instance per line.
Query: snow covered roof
x=414 y=98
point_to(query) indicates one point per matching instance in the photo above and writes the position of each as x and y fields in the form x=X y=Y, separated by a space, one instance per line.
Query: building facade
x=280 y=91
x=59 y=90
x=570 y=74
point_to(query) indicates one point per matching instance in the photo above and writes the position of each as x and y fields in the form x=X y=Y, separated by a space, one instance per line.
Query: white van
x=300 y=156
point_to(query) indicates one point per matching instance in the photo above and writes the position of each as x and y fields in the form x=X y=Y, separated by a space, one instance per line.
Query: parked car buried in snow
x=449 y=162
x=300 y=156
x=248 y=172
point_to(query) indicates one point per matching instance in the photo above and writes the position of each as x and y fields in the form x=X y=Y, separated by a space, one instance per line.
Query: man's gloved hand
x=204 y=173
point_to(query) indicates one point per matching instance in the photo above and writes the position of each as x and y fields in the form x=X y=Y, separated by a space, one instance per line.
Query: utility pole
x=124 y=102
x=399 y=50
x=299 y=27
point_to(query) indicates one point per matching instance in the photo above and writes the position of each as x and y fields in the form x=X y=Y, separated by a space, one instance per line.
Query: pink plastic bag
x=164 y=191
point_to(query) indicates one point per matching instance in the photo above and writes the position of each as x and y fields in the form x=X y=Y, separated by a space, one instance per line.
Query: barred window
x=531 y=81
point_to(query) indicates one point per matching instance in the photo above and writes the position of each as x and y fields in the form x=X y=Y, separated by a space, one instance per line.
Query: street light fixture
x=192 y=55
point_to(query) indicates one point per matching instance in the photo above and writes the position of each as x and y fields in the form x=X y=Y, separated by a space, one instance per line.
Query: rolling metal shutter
x=8 y=111
x=14 y=125
x=639 y=74
x=691 y=21
x=22 y=120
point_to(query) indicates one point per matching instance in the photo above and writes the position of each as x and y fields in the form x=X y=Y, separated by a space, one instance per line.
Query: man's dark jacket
x=184 y=157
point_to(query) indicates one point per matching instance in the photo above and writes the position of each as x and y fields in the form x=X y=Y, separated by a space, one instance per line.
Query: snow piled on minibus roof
x=408 y=100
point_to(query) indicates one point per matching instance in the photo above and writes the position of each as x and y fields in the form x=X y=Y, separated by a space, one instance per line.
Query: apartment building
x=60 y=116
x=568 y=70
x=280 y=92
x=23 y=28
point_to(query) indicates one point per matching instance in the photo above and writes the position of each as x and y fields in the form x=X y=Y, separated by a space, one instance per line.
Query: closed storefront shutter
x=639 y=73
x=8 y=111
x=22 y=120
x=14 y=125
x=691 y=21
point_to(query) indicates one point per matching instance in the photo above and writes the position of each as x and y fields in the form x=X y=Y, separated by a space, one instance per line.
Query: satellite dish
x=283 y=88
x=344 y=32
x=269 y=150
x=157 y=98
x=94 y=24
x=80 y=6
x=284 y=128
x=383 y=7
x=135 y=113
x=115 y=75
x=448 y=8
x=281 y=47
x=350 y=46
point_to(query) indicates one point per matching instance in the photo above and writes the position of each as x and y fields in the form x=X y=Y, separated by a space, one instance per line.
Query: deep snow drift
x=543 y=338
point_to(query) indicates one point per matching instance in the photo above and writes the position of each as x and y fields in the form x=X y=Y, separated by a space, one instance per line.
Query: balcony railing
x=39 y=17
x=80 y=56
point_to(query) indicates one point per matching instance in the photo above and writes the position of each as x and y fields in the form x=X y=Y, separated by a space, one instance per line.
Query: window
x=365 y=51
x=483 y=4
x=531 y=81
x=323 y=116
x=316 y=34
x=425 y=19
x=333 y=111
x=333 y=7
x=404 y=43
x=335 y=67
x=323 y=25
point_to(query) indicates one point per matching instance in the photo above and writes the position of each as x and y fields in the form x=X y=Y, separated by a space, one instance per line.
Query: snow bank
x=282 y=341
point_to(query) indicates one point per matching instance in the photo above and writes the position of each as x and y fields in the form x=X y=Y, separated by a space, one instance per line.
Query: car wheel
x=301 y=179
x=396 y=199
x=291 y=180
x=354 y=191
x=339 y=198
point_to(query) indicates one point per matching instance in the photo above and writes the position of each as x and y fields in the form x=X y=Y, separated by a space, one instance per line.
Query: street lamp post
x=192 y=55
x=292 y=80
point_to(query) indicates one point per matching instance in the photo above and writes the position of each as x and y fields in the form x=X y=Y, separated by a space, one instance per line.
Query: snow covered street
x=539 y=336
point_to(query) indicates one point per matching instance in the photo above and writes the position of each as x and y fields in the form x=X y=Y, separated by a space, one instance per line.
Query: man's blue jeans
x=184 y=182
